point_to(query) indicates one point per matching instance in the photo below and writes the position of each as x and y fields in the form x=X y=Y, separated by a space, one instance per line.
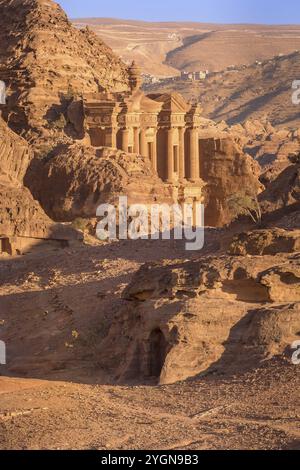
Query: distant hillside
x=258 y=91
x=166 y=48
x=218 y=49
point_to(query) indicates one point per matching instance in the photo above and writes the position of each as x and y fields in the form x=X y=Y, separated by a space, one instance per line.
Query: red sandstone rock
x=226 y=170
x=21 y=218
x=46 y=62
x=78 y=178
x=209 y=315
x=265 y=242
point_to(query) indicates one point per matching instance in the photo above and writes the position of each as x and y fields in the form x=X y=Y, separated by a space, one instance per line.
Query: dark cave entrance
x=5 y=246
x=157 y=352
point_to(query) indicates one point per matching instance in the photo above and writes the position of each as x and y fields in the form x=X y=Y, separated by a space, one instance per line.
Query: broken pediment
x=173 y=102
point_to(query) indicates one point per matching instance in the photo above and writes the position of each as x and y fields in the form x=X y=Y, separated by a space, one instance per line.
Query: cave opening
x=157 y=352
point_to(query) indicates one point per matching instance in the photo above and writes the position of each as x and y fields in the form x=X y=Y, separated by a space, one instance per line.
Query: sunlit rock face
x=45 y=62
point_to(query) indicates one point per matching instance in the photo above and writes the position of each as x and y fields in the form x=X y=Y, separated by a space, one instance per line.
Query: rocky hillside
x=273 y=149
x=20 y=214
x=262 y=90
x=217 y=49
x=282 y=195
x=45 y=62
x=164 y=49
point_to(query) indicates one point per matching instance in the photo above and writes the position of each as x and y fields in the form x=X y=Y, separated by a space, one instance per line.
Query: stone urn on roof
x=135 y=77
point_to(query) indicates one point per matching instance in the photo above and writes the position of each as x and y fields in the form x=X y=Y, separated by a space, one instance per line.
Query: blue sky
x=217 y=11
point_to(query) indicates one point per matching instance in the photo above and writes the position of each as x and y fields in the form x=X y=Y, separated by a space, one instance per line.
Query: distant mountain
x=166 y=48
x=262 y=90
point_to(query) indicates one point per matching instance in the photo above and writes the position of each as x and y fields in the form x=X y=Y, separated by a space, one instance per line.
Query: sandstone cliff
x=46 y=63
x=15 y=155
x=226 y=171
x=282 y=196
x=20 y=214
x=215 y=315
x=75 y=179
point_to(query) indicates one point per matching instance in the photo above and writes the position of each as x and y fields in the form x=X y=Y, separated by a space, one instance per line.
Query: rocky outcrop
x=265 y=242
x=247 y=280
x=20 y=215
x=207 y=315
x=272 y=148
x=226 y=171
x=284 y=192
x=15 y=155
x=75 y=179
x=46 y=63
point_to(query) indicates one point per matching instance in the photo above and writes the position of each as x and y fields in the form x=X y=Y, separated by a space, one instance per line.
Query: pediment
x=173 y=102
x=139 y=102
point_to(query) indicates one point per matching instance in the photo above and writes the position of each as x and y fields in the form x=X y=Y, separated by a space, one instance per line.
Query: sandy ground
x=259 y=410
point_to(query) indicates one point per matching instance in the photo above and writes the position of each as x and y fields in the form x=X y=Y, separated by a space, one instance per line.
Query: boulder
x=213 y=315
x=265 y=242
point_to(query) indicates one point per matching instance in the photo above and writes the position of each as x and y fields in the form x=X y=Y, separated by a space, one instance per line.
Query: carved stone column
x=194 y=154
x=170 y=156
x=136 y=147
x=144 y=148
x=154 y=156
x=125 y=140
x=181 y=175
x=114 y=132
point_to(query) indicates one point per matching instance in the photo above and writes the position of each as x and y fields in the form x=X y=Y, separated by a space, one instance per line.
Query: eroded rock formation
x=78 y=178
x=265 y=242
x=226 y=170
x=207 y=315
x=46 y=62
x=284 y=191
x=23 y=223
x=272 y=148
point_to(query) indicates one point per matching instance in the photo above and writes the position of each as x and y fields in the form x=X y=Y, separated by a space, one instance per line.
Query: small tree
x=245 y=204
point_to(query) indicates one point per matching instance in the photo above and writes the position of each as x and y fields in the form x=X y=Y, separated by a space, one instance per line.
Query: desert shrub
x=245 y=204
x=80 y=224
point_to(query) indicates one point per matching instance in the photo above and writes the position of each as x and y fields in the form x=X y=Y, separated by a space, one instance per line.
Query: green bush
x=80 y=224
